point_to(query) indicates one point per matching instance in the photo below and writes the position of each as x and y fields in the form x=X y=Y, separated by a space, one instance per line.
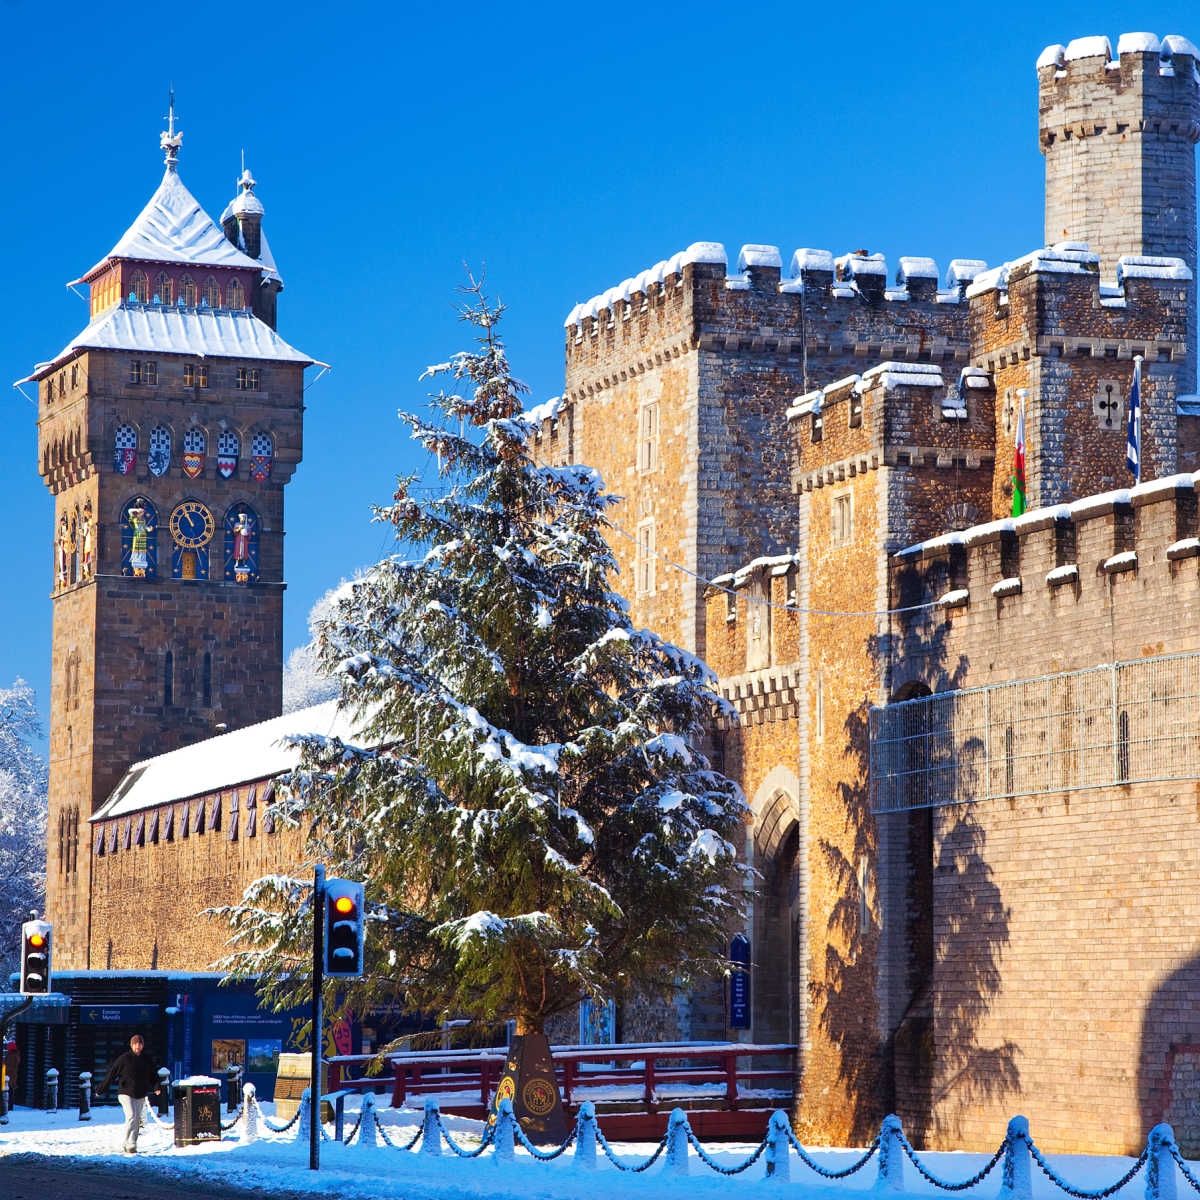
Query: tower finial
x=170 y=141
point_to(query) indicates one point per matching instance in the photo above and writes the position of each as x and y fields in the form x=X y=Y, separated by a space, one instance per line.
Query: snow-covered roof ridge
x=170 y=329
x=1083 y=508
x=256 y=752
x=777 y=564
x=173 y=228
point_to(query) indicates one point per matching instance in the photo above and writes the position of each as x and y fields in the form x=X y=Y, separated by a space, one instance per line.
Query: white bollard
x=85 y=1095
x=1160 y=1169
x=367 y=1135
x=677 y=1144
x=52 y=1089
x=431 y=1139
x=891 y=1156
x=585 y=1137
x=1017 y=1180
x=779 y=1165
x=506 y=1133
x=249 y=1114
x=302 y=1130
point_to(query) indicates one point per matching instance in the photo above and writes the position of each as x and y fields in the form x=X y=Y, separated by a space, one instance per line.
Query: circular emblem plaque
x=192 y=525
x=538 y=1097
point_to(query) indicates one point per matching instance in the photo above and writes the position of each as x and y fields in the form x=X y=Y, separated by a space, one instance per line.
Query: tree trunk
x=528 y=1023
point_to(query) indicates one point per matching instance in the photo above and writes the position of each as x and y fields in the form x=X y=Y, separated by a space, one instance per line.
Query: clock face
x=192 y=525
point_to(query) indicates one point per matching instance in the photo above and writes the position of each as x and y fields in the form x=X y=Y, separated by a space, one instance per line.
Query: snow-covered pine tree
x=23 y=784
x=527 y=803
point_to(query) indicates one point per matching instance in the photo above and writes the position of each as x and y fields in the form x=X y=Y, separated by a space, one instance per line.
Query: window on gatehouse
x=212 y=293
x=235 y=296
x=168 y=680
x=187 y=291
x=162 y=288
x=139 y=288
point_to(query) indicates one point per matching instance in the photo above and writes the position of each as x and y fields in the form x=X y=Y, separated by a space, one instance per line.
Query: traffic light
x=35 y=958
x=343 y=928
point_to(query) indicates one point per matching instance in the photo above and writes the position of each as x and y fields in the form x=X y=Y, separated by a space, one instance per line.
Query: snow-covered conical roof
x=173 y=228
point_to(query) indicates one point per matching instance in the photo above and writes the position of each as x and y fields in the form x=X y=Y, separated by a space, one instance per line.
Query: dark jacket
x=136 y=1075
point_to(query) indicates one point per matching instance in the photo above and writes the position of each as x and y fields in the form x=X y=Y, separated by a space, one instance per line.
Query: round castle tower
x=1119 y=136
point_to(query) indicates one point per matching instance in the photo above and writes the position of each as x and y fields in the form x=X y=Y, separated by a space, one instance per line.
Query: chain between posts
x=237 y=1116
x=488 y=1136
x=978 y=1177
x=716 y=1166
x=388 y=1141
x=1079 y=1193
x=824 y=1172
x=547 y=1155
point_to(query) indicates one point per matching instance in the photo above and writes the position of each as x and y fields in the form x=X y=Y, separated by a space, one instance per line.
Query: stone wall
x=150 y=887
x=112 y=634
x=1063 y=921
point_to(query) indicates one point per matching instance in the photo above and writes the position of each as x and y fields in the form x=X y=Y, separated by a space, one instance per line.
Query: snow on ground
x=279 y=1162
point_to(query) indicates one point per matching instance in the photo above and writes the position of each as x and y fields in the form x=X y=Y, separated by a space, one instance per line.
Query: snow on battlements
x=1075 y=258
x=1097 y=49
x=848 y=275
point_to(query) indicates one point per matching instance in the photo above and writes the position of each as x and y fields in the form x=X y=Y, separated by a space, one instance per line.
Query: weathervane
x=170 y=141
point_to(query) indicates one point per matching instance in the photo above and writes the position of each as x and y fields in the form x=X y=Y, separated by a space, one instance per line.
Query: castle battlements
x=1000 y=568
x=896 y=413
x=1052 y=302
x=831 y=311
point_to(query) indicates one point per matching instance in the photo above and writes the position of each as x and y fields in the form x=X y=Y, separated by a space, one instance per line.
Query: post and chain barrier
x=1015 y=1155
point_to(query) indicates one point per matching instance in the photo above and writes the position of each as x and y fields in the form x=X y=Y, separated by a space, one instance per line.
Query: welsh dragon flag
x=1018 y=472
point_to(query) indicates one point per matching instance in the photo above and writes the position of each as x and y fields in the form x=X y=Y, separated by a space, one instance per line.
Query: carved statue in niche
x=138 y=556
x=242 y=529
x=64 y=549
x=87 y=535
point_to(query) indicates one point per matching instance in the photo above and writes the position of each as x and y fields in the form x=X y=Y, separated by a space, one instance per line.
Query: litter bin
x=197 y=1110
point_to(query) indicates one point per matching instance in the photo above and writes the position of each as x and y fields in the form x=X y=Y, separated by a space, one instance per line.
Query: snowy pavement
x=279 y=1163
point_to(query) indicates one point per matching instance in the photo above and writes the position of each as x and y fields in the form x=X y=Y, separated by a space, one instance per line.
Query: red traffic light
x=344 y=904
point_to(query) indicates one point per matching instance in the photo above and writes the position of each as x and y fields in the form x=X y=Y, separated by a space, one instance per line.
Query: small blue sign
x=739 y=982
x=119 y=1014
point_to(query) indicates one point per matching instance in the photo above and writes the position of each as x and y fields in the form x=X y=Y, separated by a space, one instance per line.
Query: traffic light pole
x=318 y=980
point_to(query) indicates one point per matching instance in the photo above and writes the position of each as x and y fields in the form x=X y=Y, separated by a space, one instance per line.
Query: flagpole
x=1133 y=438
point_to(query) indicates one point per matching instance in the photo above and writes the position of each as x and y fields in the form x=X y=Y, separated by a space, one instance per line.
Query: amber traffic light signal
x=35 y=958
x=343 y=928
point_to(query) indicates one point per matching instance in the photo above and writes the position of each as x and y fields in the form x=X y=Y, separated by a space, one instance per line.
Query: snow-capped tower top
x=169 y=140
x=242 y=224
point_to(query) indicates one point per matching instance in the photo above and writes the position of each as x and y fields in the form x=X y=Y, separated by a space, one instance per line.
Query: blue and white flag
x=1133 y=440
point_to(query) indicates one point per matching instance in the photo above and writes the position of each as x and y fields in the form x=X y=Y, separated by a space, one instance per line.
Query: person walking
x=136 y=1074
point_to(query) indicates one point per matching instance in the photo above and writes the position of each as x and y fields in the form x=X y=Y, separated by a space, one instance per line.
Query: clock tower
x=167 y=431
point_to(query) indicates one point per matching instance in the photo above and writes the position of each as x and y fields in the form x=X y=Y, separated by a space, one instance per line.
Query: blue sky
x=564 y=146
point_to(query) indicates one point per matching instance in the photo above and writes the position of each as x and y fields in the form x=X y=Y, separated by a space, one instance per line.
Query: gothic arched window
x=139 y=289
x=162 y=288
x=159 y=458
x=262 y=451
x=241 y=544
x=124 y=449
x=235 y=295
x=195 y=447
x=212 y=293
x=187 y=291
x=139 y=540
x=228 y=449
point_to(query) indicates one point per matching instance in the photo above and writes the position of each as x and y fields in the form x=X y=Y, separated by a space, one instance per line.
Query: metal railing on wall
x=1125 y=722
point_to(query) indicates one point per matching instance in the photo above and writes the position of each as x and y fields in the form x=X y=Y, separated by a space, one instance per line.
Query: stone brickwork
x=1063 y=922
x=152 y=882
x=718 y=354
x=1047 y=325
x=1119 y=139
x=112 y=634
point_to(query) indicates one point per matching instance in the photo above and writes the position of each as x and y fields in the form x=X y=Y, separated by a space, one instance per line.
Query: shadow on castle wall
x=1168 y=1078
x=948 y=928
